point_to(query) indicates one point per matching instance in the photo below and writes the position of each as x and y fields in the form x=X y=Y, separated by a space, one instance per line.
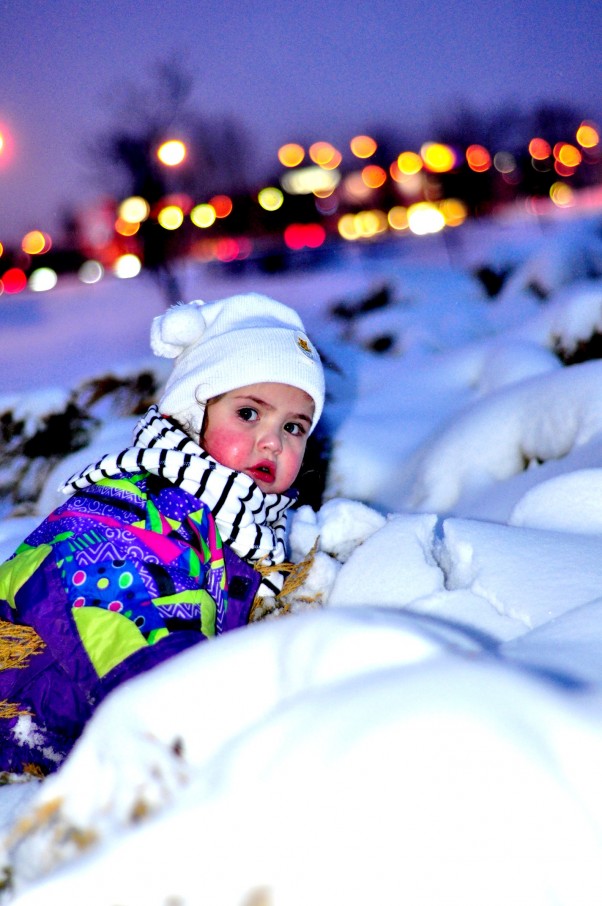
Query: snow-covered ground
x=426 y=727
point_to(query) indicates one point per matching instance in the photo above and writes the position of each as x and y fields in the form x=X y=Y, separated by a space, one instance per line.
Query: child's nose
x=271 y=440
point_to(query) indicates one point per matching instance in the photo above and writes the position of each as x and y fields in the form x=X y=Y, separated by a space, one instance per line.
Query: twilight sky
x=316 y=69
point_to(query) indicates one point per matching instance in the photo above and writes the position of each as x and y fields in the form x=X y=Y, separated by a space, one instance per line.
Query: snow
x=426 y=726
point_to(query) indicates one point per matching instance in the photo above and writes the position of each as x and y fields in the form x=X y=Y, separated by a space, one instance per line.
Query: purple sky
x=317 y=69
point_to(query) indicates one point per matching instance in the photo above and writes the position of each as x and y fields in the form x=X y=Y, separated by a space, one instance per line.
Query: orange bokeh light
x=323 y=154
x=363 y=146
x=478 y=158
x=539 y=149
x=222 y=205
x=373 y=176
x=291 y=154
x=36 y=243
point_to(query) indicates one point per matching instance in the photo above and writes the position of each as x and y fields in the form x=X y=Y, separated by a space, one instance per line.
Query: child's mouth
x=264 y=472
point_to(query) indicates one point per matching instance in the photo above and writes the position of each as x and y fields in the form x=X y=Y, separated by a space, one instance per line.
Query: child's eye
x=248 y=414
x=295 y=429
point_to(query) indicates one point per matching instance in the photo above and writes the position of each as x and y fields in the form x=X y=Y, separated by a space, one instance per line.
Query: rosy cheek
x=224 y=446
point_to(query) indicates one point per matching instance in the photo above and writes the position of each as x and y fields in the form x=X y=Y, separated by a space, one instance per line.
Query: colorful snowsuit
x=119 y=578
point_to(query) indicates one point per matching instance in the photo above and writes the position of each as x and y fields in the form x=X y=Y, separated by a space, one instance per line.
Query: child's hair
x=231 y=343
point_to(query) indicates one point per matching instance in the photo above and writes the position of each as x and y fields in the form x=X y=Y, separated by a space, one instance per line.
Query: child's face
x=261 y=430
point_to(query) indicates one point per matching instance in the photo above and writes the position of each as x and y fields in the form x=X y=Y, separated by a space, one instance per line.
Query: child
x=156 y=548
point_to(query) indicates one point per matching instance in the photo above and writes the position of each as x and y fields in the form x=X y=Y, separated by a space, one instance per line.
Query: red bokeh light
x=14 y=280
x=304 y=235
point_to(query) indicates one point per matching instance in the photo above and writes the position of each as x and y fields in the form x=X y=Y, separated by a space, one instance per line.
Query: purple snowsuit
x=120 y=577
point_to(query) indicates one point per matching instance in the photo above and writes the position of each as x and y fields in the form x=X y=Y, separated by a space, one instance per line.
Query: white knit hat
x=231 y=343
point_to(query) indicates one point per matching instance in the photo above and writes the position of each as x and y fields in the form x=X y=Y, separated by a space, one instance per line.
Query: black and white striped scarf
x=251 y=522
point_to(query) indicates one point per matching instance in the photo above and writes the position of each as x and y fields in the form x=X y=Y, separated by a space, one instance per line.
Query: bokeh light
x=308 y=180
x=398 y=218
x=562 y=195
x=425 y=217
x=567 y=154
x=291 y=154
x=14 y=280
x=6 y=145
x=363 y=225
x=203 y=215
x=325 y=155
x=172 y=152
x=354 y=188
x=127 y=266
x=36 y=243
x=270 y=198
x=126 y=227
x=587 y=135
x=304 y=235
x=454 y=211
x=222 y=205
x=373 y=176
x=539 y=149
x=409 y=163
x=478 y=158
x=171 y=217
x=133 y=209
x=42 y=279
x=437 y=158
x=363 y=146
x=91 y=272
x=504 y=162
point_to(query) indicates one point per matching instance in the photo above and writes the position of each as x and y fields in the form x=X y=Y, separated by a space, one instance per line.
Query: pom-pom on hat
x=231 y=343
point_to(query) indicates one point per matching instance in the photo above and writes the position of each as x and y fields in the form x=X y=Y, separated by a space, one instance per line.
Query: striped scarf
x=252 y=523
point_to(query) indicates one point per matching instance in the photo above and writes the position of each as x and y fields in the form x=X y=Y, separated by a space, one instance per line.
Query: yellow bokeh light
x=363 y=146
x=409 y=163
x=425 y=217
x=562 y=195
x=172 y=152
x=1 y=249
x=35 y=243
x=374 y=176
x=454 y=211
x=127 y=266
x=291 y=154
x=398 y=218
x=587 y=135
x=363 y=225
x=437 y=158
x=203 y=215
x=270 y=198
x=346 y=227
x=134 y=209
x=171 y=217
x=566 y=154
